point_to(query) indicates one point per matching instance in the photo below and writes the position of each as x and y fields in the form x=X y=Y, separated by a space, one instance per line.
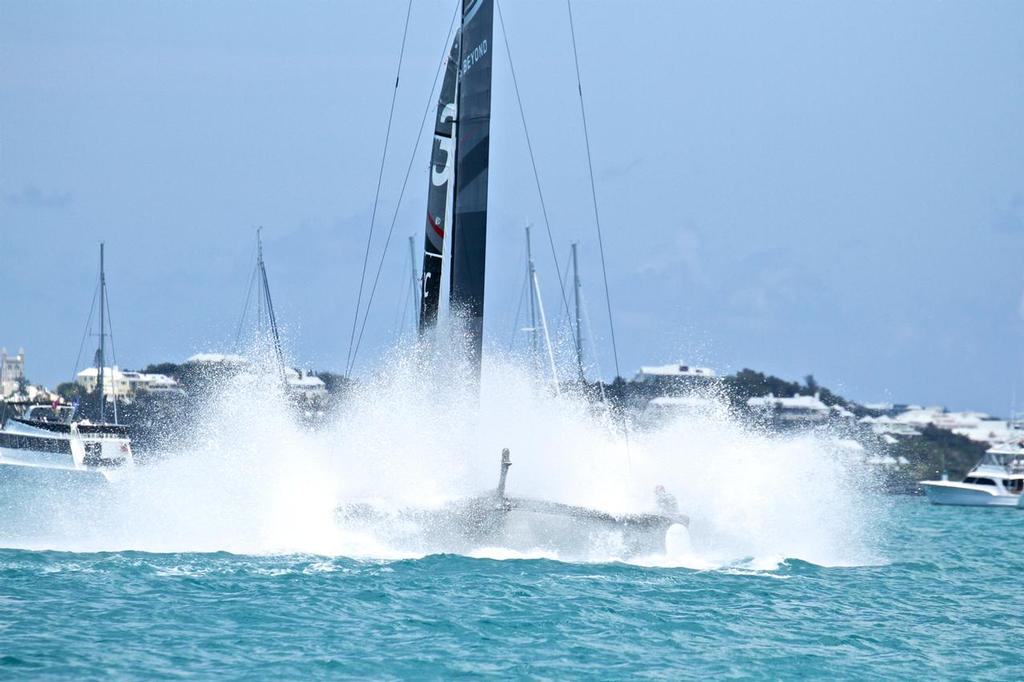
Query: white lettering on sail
x=447 y=145
x=475 y=55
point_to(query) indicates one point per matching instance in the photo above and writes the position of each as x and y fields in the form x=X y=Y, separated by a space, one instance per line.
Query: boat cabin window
x=1014 y=485
x=980 y=481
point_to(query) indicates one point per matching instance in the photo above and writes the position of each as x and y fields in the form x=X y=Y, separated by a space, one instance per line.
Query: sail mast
x=469 y=245
x=413 y=284
x=271 y=317
x=579 y=327
x=531 y=274
x=101 y=351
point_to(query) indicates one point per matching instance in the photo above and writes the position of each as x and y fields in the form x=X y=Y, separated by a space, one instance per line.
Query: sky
x=833 y=189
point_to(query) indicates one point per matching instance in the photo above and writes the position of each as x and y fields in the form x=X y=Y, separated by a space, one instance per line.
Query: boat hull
x=18 y=474
x=963 y=495
x=516 y=524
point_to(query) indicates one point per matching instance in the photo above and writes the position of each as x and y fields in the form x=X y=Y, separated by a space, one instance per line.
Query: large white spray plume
x=420 y=434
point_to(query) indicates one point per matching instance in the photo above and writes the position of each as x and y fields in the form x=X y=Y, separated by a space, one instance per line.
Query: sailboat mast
x=271 y=317
x=101 y=352
x=579 y=327
x=413 y=279
x=531 y=274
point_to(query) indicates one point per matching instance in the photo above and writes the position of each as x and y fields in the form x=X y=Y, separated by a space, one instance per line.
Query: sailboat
x=56 y=445
x=454 y=259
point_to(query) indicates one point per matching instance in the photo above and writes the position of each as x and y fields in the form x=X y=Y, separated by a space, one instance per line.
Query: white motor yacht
x=54 y=445
x=996 y=481
x=55 y=449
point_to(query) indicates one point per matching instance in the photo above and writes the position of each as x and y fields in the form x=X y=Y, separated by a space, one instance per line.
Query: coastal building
x=12 y=373
x=126 y=385
x=675 y=372
x=798 y=410
x=306 y=384
x=142 y=382
x=889 y=426
x=115 y=383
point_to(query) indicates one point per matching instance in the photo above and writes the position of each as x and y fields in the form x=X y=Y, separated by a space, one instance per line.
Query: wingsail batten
x=440 y=195
x=469 y=241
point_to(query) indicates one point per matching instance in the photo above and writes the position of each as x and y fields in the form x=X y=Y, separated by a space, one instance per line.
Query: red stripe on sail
x=432 y=224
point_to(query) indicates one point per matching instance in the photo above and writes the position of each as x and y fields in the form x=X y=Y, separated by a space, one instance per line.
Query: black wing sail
x=469 y=245
x=440 y=194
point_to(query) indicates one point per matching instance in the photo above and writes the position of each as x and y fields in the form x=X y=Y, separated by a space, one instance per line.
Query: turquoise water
x=943 y=601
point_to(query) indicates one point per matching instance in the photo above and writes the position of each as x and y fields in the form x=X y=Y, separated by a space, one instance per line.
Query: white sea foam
x=256 y=482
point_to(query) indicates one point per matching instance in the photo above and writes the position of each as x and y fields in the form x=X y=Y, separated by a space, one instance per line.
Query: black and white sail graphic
x=469 y=241
x=441 y=192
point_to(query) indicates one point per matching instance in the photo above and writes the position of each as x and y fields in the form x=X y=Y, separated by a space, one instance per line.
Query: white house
x=674 y=371
x=799 y=408
x=115 y=383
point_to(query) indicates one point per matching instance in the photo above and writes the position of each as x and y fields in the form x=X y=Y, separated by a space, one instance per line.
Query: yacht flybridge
x=996 y=481
x=54 y=444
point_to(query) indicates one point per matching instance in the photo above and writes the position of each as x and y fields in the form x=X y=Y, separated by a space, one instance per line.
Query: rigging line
x=412 y=160
x=529 y=147
x=593 y=346
x=400 y=326
x=380 y=177
x=85 y=332
x=403 y=294
x=519 y=304
x=563 y=310
x=113 y=350
x=245 y=308
x=593 y=191
x=519 y=307
x=272 y=321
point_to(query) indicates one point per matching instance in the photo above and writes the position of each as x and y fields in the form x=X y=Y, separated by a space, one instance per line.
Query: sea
x=227 y=559
x=942 y=601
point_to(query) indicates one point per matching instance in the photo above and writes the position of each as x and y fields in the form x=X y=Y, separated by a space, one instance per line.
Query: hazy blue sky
x=826 y=187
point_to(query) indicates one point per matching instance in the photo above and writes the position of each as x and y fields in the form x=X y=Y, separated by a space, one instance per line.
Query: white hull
x=517 y=524
x=19 y=473
x=966 y=495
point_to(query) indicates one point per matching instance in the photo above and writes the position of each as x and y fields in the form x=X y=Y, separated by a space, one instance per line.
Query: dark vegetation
x=161 y=421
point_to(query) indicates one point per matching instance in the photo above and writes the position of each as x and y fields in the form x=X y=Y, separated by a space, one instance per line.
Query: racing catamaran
x=454 y=260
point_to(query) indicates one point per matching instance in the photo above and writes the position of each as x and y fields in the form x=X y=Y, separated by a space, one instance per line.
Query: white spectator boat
x=55 y=445
x=41 y=450
x=996 y=481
